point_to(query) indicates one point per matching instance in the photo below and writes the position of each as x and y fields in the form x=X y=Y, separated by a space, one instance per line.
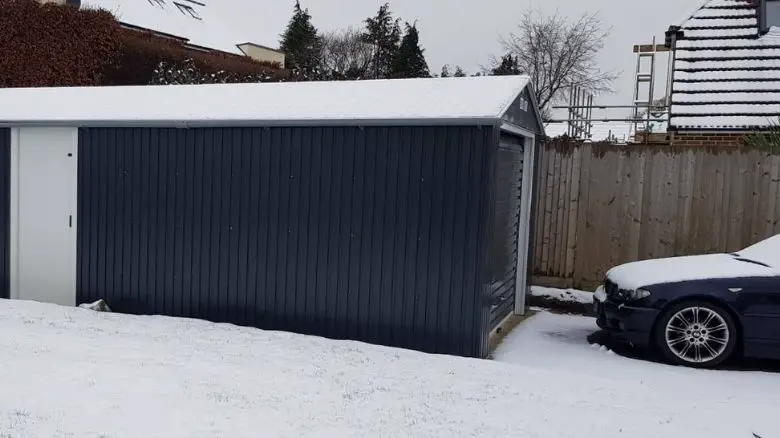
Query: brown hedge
x=140 y=53
x=51 y=45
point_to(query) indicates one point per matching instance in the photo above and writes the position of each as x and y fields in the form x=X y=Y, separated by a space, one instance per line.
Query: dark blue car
x=698 y=310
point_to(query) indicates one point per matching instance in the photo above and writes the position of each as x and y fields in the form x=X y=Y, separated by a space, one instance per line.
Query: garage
x=392 y=212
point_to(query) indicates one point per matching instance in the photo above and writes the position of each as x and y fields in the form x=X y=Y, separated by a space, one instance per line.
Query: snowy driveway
x=68 y=372
x=558 y=343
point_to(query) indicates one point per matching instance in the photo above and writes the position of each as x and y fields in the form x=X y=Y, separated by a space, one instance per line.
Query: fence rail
x=602 y=205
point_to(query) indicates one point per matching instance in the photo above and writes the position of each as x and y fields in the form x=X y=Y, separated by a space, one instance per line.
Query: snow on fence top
x=726 y=72
x=304 y=102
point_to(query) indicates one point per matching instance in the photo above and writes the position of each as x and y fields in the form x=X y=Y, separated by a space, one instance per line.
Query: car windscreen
x=767 y=252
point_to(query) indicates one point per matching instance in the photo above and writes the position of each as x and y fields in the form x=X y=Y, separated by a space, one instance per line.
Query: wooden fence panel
x=602 y=205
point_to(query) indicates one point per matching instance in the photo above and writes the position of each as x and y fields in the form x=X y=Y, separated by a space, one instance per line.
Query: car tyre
x=696 y=334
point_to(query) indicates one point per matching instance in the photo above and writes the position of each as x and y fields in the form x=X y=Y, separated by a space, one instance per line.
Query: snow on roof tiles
x=399 y=99
x=720 y=122
x=726 y=74
x=205 y=28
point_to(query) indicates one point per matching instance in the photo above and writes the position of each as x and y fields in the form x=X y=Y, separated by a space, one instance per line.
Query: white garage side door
x=43 y=214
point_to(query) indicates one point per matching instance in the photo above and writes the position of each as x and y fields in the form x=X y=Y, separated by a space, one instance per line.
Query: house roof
x=726 y=74
x=175 y=18
x=347 y=102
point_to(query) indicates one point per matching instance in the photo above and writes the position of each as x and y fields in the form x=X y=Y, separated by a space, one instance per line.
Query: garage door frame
x=522 y=283
x=5 y=212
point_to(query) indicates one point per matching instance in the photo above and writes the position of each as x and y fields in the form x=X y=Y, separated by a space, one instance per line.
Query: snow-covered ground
x=565 y=295
x=78 y=373
x=733 y=403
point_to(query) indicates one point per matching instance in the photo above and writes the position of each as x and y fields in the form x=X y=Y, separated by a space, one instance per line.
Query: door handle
x=70 y=221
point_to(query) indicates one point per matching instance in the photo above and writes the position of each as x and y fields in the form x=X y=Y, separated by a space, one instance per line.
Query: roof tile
x=726 y=75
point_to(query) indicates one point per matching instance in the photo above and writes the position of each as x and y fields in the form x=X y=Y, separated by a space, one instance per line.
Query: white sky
x=465 y=32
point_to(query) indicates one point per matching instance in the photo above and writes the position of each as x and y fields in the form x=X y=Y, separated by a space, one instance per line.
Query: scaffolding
x=580 y=113
x=646 y=112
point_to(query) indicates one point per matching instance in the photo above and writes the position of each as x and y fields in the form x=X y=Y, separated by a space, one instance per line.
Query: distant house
x=726 y=71
x=194 y=23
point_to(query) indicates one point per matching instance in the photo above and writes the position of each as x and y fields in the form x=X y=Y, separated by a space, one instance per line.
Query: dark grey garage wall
x=5 y=202
x=370 y=233
x=522 y=113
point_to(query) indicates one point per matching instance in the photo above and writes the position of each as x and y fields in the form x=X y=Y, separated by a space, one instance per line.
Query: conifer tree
x=383 y=33
x=301 y=44
x=508 y=66
x=409 y=61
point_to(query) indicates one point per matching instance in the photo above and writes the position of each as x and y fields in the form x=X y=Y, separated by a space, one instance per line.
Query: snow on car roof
x=700 y=267
x=766 y=251
x=678 y=269
x=375 y=100
x=725 y=71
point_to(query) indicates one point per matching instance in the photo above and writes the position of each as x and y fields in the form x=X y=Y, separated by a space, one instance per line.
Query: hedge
x=140 y=54
x=52 y=45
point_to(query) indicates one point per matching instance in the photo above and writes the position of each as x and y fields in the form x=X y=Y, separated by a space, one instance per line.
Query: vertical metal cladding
x=364 y=233
x=5 y=203
x=505 y=215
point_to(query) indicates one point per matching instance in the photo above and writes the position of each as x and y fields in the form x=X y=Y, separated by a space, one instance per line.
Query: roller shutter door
x=508 y=179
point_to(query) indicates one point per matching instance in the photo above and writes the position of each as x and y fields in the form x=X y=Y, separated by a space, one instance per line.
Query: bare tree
x=558 y=53
x=345 y=54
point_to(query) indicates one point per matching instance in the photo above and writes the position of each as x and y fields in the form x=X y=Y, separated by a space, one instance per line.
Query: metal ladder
x=644 y=77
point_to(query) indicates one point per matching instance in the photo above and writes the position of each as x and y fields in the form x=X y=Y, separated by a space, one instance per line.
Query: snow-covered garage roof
x=472 y=98
x=726 y=73
x=201 y=24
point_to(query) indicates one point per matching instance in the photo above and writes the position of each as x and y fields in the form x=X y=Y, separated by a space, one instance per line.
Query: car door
x=759 y=304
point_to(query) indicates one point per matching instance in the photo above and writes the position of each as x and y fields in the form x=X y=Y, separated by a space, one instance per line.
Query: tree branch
x=558 y=53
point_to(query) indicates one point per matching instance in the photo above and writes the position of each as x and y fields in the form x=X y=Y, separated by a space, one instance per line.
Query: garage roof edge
x=181 y=124
x=305 y=103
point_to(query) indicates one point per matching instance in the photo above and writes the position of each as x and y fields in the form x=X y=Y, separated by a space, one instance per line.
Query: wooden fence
x=602 y=205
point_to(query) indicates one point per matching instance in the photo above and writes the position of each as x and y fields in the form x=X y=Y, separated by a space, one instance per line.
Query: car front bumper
x=631 y=324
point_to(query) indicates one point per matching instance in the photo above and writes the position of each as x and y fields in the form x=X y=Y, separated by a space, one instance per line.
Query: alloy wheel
x=697 y=334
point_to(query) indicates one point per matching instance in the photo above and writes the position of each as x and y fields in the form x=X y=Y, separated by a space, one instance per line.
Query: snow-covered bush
x=188 y=72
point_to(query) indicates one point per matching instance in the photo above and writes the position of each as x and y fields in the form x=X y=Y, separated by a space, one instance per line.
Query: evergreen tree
x=445 y=71
x=409 y=61
x=508 y=66
x=383 y=33
x=301 y=44
x=459 y=73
